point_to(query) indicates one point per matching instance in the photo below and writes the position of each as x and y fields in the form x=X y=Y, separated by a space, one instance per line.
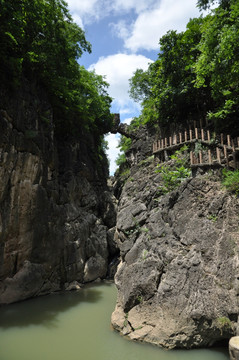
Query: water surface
x=76 y=326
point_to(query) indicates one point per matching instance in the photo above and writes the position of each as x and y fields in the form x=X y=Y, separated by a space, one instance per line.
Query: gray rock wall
x=55 y=207
x=178 y=280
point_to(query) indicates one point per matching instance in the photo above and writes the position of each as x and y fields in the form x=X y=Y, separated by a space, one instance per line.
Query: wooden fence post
x=166 y=142
x=225 y=154
x=191 y=157
x=190 y=134
x=186 y=136
x=180 y=138
x=196 y=133
x=208 y=135
x=218 y=155
x=200 y=157
x=202 y=134
x=221 y=139
x=209 y=157
x=170 y=141
x=228 y=140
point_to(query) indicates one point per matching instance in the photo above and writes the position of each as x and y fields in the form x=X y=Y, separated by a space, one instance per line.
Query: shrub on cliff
x=174 y=174
x=231 y=180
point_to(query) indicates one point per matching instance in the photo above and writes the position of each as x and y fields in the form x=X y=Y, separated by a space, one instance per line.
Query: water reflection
x=44 y=310
x=76 y=326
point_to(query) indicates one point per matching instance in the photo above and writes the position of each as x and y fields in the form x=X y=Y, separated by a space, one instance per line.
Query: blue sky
x=124 y=35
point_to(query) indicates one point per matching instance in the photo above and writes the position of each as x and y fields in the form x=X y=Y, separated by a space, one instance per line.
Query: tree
x=166 y=90
x=205 y=4
x=217 y=67
x=40 y=41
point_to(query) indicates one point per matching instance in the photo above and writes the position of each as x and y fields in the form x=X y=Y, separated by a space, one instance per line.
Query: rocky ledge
x=178 y=279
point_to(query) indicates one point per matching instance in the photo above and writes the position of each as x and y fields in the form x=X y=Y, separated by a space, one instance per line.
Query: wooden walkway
x=205 y=148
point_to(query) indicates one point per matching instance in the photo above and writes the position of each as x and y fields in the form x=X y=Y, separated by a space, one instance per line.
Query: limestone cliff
x=56 y=212
x=178 y=280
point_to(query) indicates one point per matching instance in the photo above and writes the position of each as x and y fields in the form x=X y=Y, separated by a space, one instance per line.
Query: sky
x=125 y=36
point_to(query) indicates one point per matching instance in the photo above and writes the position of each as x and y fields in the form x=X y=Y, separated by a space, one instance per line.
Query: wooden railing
x=218 y=147
x=192 y=135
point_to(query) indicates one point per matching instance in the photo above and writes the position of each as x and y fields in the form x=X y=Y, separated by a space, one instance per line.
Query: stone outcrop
x=57 y=215
x=178 y=280
x=234 y=348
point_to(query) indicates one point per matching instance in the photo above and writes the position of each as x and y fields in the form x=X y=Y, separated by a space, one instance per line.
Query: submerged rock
x=74 y=285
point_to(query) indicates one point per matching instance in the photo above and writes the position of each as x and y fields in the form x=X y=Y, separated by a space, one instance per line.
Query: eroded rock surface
x=178 y=280
x=57 y=215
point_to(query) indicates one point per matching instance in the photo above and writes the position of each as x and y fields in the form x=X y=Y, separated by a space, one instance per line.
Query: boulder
x=234 y=348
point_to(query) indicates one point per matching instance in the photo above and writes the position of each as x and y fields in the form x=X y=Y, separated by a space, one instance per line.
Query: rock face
x=178 y=280
x=234 y=348
x=56 y=212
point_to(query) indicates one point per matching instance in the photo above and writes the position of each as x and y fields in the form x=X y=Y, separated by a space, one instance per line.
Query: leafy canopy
x=196 y=75
x=40 y=41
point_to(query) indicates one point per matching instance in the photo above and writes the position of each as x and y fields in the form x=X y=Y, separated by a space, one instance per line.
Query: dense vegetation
x=40 y=42
x=196 y=75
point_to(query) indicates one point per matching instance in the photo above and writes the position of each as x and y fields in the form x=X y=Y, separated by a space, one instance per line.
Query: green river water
x=76 y=326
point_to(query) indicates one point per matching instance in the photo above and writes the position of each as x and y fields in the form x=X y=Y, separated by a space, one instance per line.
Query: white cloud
x=120 y=29
x=136 y=5
x=118 y=69
x=88 y=10
x=151 y=25
x=127 y=121
x=82 y=6
x=78 y=20
x=113 y=151
x=92 y=10
x=143 y=29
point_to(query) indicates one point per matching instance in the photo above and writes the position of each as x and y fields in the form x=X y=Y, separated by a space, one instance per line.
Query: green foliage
x=196 y=74
x=144 y=254
x=140 y=85
x=218 y=64
x=174 y=175
x=199 y=147
x=231 y=180
x=212 y=217
x=126 y=319
x=121 y=159
x=169 y=95
x=205 y=4
x=124 y=145
x=173 y=178
x=125 y=173
x=223 y=323
x=39 y=41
